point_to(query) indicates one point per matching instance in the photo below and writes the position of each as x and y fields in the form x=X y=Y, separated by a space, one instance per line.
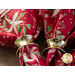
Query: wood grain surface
x=8 y=57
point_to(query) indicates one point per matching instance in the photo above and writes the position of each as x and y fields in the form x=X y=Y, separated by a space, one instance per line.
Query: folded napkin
x=21 y=22
x=59 y=23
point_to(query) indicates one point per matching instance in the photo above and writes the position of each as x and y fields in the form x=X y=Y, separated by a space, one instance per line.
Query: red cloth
x=58 y=23
x=18 y=22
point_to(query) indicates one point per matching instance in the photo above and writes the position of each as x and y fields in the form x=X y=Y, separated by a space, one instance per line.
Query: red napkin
x=58 y=23
x=18 y=22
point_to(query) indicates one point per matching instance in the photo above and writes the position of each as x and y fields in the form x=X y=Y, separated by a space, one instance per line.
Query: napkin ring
x=55 y=43
x=24 y=40
x=58 y=43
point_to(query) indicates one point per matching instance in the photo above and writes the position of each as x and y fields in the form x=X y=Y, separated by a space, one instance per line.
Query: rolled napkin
x=19 y=27
x=58 y=27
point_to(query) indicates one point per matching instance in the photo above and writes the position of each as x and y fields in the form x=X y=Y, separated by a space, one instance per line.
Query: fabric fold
x=58 y=24
x=21 y=22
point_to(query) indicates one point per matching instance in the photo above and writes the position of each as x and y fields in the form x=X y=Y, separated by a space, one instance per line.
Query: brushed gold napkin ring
x=24 y=40
x=58 y=43
x=55 y=43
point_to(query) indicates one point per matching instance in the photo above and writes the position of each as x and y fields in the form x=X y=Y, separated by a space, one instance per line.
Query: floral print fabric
x=58 y=23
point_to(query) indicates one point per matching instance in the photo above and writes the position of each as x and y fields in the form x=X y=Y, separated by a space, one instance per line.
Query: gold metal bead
x=67 y=58
x=23 y=40
x=56 y=42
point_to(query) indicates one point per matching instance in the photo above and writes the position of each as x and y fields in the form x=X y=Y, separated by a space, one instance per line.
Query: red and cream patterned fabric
x=59 y=23
x=17 y=22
